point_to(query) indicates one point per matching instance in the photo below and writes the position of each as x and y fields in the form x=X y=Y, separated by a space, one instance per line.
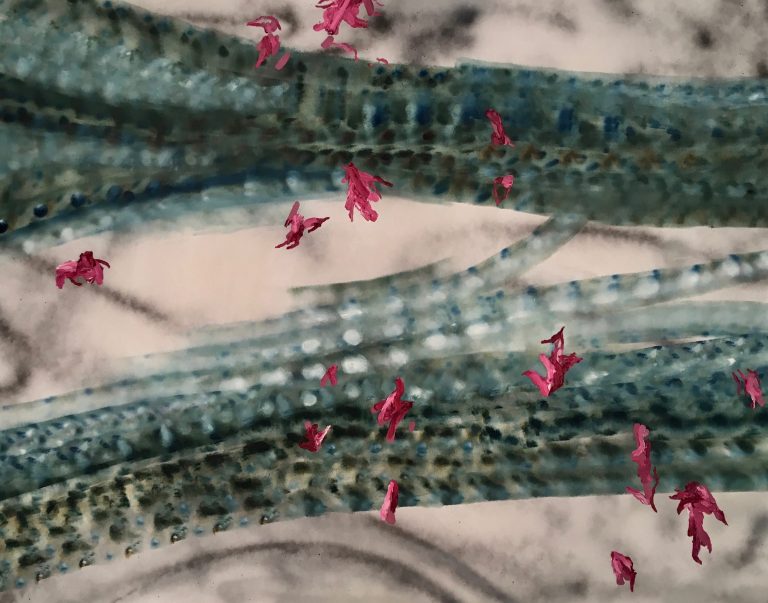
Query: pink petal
x=313 y=438
x=389 y=506
x=749 y=384
x=361 y=192
x=385 y=61
x=506 y=183
x=623 y=569
x=699 y=501
x=411 y=426
x=86 y=267
x=393 y=409
x=499 y=136
x=642 y=457
x=297 y=225
x=268 y=23
x=556 y=364
x=330 y=375
x=282 y=61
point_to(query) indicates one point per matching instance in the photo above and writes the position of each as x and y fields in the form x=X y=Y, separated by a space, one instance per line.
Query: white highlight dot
x=352 y=337
x=354 y=364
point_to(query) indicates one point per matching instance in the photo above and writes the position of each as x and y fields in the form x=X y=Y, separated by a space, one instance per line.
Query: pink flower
x=330 y=375
x=623 y=569
x=557 y=365
x=389 y=507
x=313 y=439
x=270 y=44
x=393 y=409
x=298 y=224
x=87 y=267
x=642 y=456
x=698 y=500
x=384 y=61
x=503 y=181
x=750 y=385
x=411 y=426
x=499 y=136
x=336 y=11
x=362 y=192
x=328 y=43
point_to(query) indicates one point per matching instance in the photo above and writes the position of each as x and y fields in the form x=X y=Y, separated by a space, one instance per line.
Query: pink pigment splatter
x=623 y=569
x=504 y=182
x=313 y=438
x=362 y=192
x=298 y=225
x=329 y=43
x=557 y=365
x=389 y=506
x=749 y=384
x=698 y=500
x=269 y=45
x=393 y=409
x=337 y=11
x=86 y=267
x=499 y=135
x=330 y=375
x=642 y=456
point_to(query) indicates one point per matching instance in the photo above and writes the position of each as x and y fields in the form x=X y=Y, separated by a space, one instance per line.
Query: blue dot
x=505 y=252
x=154 y=543
x=375 y=448
x=153 y=187
x=77 y=200
x=3 y=226
x=110 y=556
x=114 y=192
x=421 y=449
x=20 y=583
x=40 y=211
x=331 y=449
x=243 y=521
x=63 y=568
x=468 y=446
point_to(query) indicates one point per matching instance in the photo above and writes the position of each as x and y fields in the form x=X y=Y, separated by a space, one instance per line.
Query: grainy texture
x=204 y=439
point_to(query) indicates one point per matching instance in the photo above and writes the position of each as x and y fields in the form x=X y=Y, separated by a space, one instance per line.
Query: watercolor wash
x=627 y=152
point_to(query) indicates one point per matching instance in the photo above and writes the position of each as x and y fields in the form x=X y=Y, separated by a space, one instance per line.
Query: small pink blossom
x=749 y=385
x=557 y=365
x=623 y=569
x=506 y=183
x=642 y=456
x=499 y=136
x=411 y=426
x=330 y=375
x=86 y=267
x=384 y=61
x=393 y=409
x=313 y=439
x=698 y=500
x=270 y=44
x=362 y=192
x=336 y=11
x=297 y=224
x=389 y=507
x=329 y=43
